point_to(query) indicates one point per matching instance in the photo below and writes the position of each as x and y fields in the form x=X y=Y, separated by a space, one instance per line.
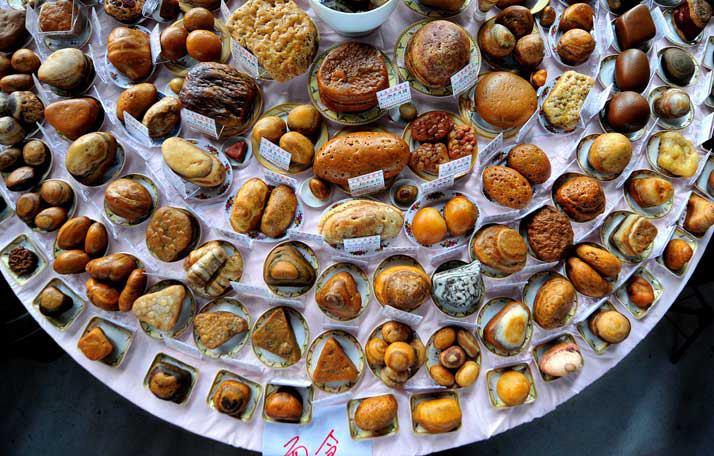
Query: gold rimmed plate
x=185 y=317
x=300 y=329
x=352 y=349
x=651 y=212
x=361 y=279
x=232 y=346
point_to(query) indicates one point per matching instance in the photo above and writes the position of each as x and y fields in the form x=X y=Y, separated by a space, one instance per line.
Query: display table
x=480 y=419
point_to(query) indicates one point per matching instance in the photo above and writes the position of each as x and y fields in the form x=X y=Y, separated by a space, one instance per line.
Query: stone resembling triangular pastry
x=216 y=328
x=286 y=266
x=340 y=296
x=334 y=365
x=276 y=336
x=162 y=308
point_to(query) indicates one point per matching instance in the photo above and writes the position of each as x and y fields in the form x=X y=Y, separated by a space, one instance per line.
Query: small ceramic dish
x=22 y=241
x=492 y=377
x=651 y=212
x=203 y=193
x=71 y=206
x=186 y=315
x=702 y=182
x=467 y=109
x=360 y=278
x=120 y=337
x=562 y=179
x=436 y=200
x=415 y=399
x=541 y=348
x=554 y=37
x=42 y=171
x=677 y=123
x=485 y=315
x=606 y=74
x=150 y=187
x=433 y=358
x=287 y=291
x=164 y=359
x=63 y=320
x=306 y=393
x=232 y=346
x=79 y=34
x=119 y=79
x=670 y=30
x=391 y=261
x=644 y=47
x=395 y=188
x=622 y=294
x=507 y=63
x=257 y=235
x=112 y=173
x=360 y=434
x=352 y=349
x=308 y=197
x=533 y=286
x=435 y=13
x=256 y=393
x=228 y=143
x=300 y=329
x=281 y=111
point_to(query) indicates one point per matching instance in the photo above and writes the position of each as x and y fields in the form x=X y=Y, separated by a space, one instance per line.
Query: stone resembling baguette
x=565 y=100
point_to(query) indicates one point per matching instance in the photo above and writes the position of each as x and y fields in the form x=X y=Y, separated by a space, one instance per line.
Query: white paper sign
x=447 y=254
x=240 y=239
x=297 y=235
x=498 y=289
x=99 y=68
x=244 y=365
x=200 y=122
x=455 y=168
x=40 y=90
x=97 y=25
x=184 y=188
x=182 y=347
x=394 y=96
x=155 y=43
x=225 y=12
x=530 y=123
x=504 y=216
x=422 y=386
x=408 y=318
x=538 y=267
x=594 y=103
x=366 y=183
x=275 y=154
x=704 y=132
x=259 y=292
x=362 y=244
x=406 y=250
x=464 y=79
x=437 y=184
x=137 y=130
x=491 y=149
x=278 y=179
x=149 y=7
x=660 y=246
x=246 y=59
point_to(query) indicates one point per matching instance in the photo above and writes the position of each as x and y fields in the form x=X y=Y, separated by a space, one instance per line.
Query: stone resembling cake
x=350 y=77
x=436 y=52
x=222 y=93
x=461 y=288
x=276 y=335
x=334 y=365
x=507 y=187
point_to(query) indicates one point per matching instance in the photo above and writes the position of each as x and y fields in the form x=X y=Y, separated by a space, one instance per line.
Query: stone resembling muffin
x=222 y=93
x=436 y=52
x=350 y=77
x=507 y=187
x=505 y=100
x=581 y=198
x=550 y=234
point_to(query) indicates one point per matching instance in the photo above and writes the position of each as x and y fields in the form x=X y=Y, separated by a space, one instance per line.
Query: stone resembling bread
x=634 y=235
x=360 y=218
x=248 y=206
x=355 y=154
x=130 y=53
x=604 y=262
x=279 y=211
x=553 y=302
x=90 y=157
x=403 y=287
x=562 y=106
x=700 y=215
x=193 y=163
x=437 y=51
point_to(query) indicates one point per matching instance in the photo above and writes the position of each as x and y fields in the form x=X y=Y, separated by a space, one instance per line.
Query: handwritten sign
x=438 y=184
x=225 y=12
x=362 y=244
x=99 y=69
x=394 y=96
x=246 y=59
x=366 y=183
x=275 y=154
x=155 y=43
x=297 y=235
x=136 y=129
x=491 y=149
x=200 y=123
x=594 y=103
x=464 y=79
x=278 y=179
x=149 y=7
x=504 y=216
x=327 y=434
x=241 y=239
x=410 y=250
x=408 y=318
x=455 y=168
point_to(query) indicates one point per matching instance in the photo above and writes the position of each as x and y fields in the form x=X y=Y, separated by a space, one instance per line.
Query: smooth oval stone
x=628 y=112
x=678 y=66
x=632 y=70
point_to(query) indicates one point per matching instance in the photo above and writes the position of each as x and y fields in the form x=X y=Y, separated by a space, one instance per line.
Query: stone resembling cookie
x=334 y=365
x=216 y=328
x=507 y=187
x=170 y=233
x=432 y=126
x=581 y=197
x=275 y=334
x=550 y=234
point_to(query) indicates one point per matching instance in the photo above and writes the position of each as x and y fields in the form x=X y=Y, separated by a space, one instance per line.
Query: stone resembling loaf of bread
x=359 y=218
x=565 y=100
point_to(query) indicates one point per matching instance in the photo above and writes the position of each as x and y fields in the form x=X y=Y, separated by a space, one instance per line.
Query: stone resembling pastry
x=529 y=51
x=115 y=281
x=232 y=397
x=563 y=358
x=169 y=382
x=161 y=309
x=210 y=269
x=461 y=287
x=376 y=413
x=586 y=279
x=67 y=69
x=610 y=153
x=55 y=16
x=604 y=262
x=128 y=199
x=127 y=11
x=553 y=302
x=25 y=107
x=171 y=232
x=95 y=344
x=678 y=66
x=530 y=161
x=401 y=286
x=350 y=76
x=632 y=70
x=677 y=254
x=507 y=187
x=672 y=104
x=279 y=211
x=627 y=112
x=460 y=215
x=216 y=328
x=193 y=163
x=90 y=157
x=432 y=126
x=634 y=235
x=507 y=329
x=564 y=102
x=428 y=226
x=130 y=53
x=691 y=17
x=333 y=364
x=437 y=51
x=635 y=27
x=360 y=218
x=427 y=158
x=22 y=261
x=609 y=325
x=204 y=46
x=438 y=415
x=677 y=155
x=284 y=404
x=136 y=100
x=340 y=297
x=650 y=191
x=577 y=16
x=700 y=215
x=513 y=388
x=248 y=206
x=501 y=248
x=280 y=34
x=275 y=334
x=355 y=154
x=518 y=19
x=550 y=234
x=286 y=266
x=575 y=46
x=75 y=117
x=53 y=302
x=495 y=40
x=222 y=93
x=162 y=118
x=581 y=198
x=504 y=99
x=12 y=29
x=640 y=292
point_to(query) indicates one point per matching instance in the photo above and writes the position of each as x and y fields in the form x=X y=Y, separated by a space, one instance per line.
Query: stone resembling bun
x=436 y=52
x=581 y=198
x=359 y=218
x=505 y=100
